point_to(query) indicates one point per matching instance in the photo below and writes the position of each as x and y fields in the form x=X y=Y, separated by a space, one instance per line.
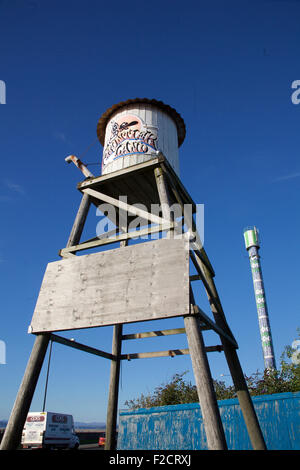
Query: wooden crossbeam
x=118 y=238
x=66 y=254
x=81 y=347
x=167 y=353
x=195 y=277
x=104 y=235
x=145 y=355
x=159 y=333
x=153 y=334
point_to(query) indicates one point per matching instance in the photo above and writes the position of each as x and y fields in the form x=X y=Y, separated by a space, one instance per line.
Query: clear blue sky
x=227 y=68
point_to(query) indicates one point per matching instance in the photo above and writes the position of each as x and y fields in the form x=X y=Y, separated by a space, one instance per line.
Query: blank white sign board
x=141 y=282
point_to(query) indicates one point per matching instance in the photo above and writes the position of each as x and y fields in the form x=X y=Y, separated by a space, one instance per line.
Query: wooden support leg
x=13 y=431
x=246 y=404
x=113 y=395
x=80 y=219
x=237 y=375
x=206 y=393
x=164 y=196
x=112 y=408
x=207 y=398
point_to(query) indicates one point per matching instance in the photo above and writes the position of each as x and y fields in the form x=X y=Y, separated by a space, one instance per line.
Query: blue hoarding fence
x=180 y=427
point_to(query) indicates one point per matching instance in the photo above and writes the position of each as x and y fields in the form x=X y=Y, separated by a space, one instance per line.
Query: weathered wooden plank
x=136 y=283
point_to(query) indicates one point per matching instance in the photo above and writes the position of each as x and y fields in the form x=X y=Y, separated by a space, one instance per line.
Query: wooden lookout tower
x=140 y=281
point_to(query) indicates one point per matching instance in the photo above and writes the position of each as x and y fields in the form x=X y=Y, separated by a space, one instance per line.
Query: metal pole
x=48 y=368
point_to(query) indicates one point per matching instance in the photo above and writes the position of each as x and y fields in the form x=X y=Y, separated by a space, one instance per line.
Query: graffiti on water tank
x=129 y=135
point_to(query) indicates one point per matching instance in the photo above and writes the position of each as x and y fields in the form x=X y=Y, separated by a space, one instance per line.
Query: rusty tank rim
x=102 y=123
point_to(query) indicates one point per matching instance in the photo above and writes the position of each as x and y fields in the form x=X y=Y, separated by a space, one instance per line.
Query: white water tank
x=133 y=131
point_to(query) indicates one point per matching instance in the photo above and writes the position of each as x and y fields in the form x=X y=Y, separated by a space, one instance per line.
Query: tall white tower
x=252 y=245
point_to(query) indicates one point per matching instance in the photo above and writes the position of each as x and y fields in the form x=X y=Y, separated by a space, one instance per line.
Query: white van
x=49 y=430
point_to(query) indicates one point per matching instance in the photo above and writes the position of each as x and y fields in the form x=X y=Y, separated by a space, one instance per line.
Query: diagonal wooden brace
x=214 y=326
x=126 y=207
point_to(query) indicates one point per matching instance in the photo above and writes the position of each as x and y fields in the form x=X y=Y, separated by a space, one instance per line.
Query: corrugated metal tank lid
x=181 y=129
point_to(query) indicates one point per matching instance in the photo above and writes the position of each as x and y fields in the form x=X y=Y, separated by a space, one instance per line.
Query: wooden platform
x=137 y=183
